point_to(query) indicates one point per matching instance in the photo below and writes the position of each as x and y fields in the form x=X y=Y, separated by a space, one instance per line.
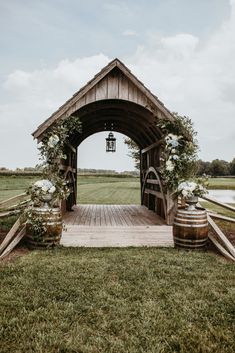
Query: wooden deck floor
x=112 y=215
x=115 y=226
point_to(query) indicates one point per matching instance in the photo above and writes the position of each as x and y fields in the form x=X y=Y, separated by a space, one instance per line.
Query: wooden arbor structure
x=116 y=100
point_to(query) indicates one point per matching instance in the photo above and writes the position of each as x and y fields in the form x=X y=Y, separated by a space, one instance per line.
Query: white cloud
x=129 y=33
x=193 y=77
x=197 y=79
x=32 y=97
x=120 y=7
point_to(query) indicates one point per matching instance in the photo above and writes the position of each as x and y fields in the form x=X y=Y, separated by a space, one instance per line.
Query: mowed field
x=98 y=189
x=135 y=300
x=91 y=189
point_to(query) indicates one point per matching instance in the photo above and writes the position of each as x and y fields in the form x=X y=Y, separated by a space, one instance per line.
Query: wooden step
x=91 y=236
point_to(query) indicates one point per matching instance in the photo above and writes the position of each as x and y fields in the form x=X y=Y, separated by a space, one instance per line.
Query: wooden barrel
x=51 y=220
x=190 y=228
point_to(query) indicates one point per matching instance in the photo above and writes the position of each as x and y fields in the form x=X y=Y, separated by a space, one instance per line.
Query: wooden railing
x=13 y=205
x=222 y=243
x=9 y=207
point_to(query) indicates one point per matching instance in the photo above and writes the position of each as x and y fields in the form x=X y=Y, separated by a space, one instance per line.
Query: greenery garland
x=179 y=157
x=51 y=149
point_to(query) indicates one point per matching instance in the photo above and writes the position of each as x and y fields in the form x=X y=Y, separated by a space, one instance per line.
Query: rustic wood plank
x=221 y=249
x=10 y=235
x=123 y=87
x=113 y=86
x=152 y=181
x=6 y=203
x=224 y=218
x=111 y=215
x=153 y=145
x=133 y=96
x=90 y=96
x=154 y=192
x=101 y=89
x=14 y=242
x=216 y=202
x=222 y=236
x=118 y=236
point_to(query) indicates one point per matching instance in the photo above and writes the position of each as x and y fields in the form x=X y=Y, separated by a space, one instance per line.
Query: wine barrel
x=190 y=228
x=51 y=220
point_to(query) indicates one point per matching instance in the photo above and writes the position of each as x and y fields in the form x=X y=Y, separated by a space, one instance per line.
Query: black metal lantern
x=110 y=143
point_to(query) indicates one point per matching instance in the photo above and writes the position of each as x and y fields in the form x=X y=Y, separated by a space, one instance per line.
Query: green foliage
x=53 y=144
x=134 y=151
x=219 y=167
x=178 y=160
x=232 y=167
x=117 y=300
x=37 y=225
x=52 y=150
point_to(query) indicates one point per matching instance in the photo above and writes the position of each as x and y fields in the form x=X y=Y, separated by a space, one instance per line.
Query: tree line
x=217 y=167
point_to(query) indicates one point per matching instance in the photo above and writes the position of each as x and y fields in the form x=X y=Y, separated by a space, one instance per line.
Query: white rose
x=175 y=157
x=52 y=190
x=184 y=193
x=53 y=140
x=169 y=166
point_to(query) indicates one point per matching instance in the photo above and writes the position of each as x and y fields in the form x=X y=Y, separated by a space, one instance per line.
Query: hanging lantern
x=110 y=143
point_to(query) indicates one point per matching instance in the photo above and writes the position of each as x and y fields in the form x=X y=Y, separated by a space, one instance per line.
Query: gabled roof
x=116 y=63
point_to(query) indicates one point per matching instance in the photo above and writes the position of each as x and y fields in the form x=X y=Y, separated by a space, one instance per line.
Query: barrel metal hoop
x=190 y=241
x=191 y=216
x=191 y=212
x=193 y=246
x=191 y=225
x=191 y=220
x=52 y=223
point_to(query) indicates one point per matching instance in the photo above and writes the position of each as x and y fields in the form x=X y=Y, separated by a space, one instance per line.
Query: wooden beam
x=152 y=181
x=155 y=144
x=223 y=218
x=14 y=198
x=224 y=205
x=220 y=247
x=154 y=192
x=222 y=236
x=14 y=242
x=10 y=235
x=67 y=168
x=71 y=147
x=9 y=213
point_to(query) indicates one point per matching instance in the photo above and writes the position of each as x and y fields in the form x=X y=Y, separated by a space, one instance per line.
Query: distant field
x=106 y=190
x=98 y=189
x=14 y=185
x=91 y=189
x=222 y=183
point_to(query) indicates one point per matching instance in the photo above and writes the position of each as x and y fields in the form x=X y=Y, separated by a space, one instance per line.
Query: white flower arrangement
x=188 y=189
x=52 y=141
x=44 y=187
x=172 y=141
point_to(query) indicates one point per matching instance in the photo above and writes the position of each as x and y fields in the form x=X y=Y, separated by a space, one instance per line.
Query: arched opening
x=105 y=177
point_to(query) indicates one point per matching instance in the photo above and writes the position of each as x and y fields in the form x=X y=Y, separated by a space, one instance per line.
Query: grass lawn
x=117 y=300
x=98 y=189
x=106 y=190
x=14 y=185
x=222 y=183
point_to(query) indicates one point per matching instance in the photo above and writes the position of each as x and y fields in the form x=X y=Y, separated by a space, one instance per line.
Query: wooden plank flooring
x=112 y=215
x=115 y=226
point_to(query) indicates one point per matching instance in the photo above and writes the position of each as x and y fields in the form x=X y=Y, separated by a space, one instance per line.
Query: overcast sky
x=182 y=50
